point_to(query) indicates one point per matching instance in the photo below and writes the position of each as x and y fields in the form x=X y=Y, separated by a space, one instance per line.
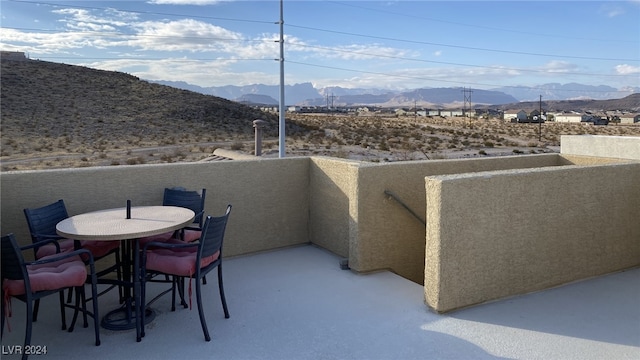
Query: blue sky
x=355 y=44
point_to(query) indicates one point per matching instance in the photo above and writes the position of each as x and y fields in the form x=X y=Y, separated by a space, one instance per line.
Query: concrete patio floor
x=296 y=303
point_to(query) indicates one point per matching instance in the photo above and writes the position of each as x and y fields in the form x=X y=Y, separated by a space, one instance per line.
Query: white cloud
x=611 y=10
x=557 y=66
x=438 y=53
x=625 y=69
x=183 y=35
x=183 y=2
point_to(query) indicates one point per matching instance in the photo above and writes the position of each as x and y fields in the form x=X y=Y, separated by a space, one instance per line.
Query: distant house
x=517 y=115
x=629 y=118
x=569 y=117
x=434 y=113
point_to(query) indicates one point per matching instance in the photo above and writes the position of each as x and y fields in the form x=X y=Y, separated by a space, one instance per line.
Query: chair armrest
x=46 y=236
x=63 y=256
x=191 y=228
x=41 y=243
x=157 y=244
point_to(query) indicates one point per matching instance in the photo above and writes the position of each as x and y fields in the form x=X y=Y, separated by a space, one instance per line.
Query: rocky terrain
x=56 y=115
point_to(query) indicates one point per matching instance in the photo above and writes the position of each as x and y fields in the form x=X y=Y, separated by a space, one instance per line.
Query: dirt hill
x=65 y=108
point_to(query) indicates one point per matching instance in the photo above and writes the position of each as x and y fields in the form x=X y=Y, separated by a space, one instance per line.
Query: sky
x=353 y=44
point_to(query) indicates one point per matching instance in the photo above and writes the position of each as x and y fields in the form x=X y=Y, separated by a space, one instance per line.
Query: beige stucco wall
x=485 y=225
x=621 y=147
x=269 y=197
x=389 y=237
x=496 y=234
x=332 y=198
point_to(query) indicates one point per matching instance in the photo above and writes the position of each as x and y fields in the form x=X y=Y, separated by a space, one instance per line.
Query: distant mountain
x=257 y=99
x=305 y=94
x=629 y=103
x=570 y=91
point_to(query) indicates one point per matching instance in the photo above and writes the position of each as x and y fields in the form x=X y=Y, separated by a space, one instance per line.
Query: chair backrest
x=43 y=220
x=12 y=260
x=192 y=200
x=213 y=235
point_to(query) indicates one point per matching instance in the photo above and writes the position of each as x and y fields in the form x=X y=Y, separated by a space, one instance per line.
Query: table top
x=112 y=224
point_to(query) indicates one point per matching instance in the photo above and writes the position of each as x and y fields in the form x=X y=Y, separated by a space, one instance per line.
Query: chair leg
x=63 y=313
x=36 y=307
x=221 y=288
x=180 y=284
x=77 y=310
x=96 y=315
x=27 y=334
x=142 y=307
x=174 y=281
x=69 y=295
x=119 y=275
x=203 y=321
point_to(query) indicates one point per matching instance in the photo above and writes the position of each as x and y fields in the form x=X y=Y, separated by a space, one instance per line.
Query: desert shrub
x=489 y=144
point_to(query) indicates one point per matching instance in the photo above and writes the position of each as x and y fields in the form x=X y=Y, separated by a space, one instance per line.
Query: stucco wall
x=496 y=234
x=621 y=147
x=388 y=236
x=269 y=197
x=332 y=199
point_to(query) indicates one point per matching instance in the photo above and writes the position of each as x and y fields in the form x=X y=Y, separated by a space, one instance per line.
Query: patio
x=296 y=303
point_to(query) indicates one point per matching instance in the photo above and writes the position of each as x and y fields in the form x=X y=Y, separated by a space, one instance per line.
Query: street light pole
x=281 y=122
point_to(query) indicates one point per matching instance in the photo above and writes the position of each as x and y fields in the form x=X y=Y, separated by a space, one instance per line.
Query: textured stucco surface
x=621 y=147
x=269 y=197
x=502 y=233
x=494 y=226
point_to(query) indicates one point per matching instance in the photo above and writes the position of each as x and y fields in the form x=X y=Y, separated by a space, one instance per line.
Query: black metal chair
x=51 y=274
x=42 y=226
x=188 y=260
x=189 y=199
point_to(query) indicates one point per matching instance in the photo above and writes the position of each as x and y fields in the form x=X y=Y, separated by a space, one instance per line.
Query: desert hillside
x=56 y=115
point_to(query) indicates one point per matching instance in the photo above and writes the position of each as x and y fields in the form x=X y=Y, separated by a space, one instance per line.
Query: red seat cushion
x=51 y=276
x=50 y=249
x=191 y=235
x=99 y=248
x=180 y=262
x=164 y=237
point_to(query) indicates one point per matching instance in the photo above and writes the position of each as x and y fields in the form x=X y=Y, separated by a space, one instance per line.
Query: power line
x=450 y=63
x=508 y=30
x=460 y=46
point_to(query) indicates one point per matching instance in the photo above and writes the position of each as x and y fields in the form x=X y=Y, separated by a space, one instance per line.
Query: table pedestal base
x=125 y=319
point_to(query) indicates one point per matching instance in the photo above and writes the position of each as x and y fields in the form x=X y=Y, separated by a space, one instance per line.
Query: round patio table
x=126 y=224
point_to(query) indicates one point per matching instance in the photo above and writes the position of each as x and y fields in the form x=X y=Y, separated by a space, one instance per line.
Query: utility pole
x=540 y=121
x=281 y=115
x=467 y=99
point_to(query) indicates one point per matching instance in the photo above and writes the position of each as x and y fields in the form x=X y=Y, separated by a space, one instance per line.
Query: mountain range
x=305 y=94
